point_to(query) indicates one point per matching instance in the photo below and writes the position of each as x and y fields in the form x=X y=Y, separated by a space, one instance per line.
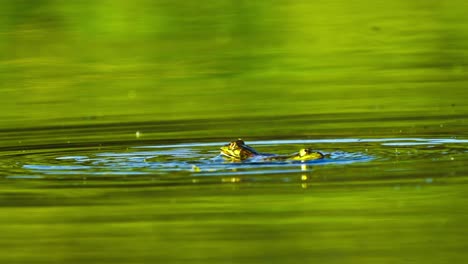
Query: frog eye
x=240 y=142
x=304 y=152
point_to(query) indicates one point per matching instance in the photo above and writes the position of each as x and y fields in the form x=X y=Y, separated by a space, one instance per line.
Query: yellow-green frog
x=239 y=151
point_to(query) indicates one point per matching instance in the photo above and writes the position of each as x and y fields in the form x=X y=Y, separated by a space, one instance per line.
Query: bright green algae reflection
x=113 y=112
x=83 y=62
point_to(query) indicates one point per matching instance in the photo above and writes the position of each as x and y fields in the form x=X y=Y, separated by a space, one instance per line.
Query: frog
x=237 y=150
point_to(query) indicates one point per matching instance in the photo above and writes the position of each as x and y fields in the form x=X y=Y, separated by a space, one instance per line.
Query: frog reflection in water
x=239 y=151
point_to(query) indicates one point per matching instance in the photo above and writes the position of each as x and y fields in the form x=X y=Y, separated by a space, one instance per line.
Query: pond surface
x=198 y=160
x=113 y=113
x=370 y=199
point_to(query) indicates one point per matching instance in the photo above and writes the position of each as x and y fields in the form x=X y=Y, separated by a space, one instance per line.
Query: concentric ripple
x=203 y=159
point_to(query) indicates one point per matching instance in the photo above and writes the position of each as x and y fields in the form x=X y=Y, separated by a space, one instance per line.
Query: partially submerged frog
x=239 y=151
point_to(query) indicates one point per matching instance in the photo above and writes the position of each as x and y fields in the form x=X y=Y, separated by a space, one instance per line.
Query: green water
x=113 y=112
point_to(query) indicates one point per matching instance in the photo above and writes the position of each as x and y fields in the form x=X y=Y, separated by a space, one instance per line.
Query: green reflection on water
x=232 y=223
x=91 y=63
x=87 y=74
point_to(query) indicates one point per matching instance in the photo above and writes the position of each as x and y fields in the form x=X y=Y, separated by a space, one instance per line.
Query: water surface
x=369 y=199
x=113 y=112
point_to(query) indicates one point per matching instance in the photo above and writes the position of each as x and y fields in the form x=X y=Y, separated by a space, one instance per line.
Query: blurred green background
x=81 y=78
x=68 y=63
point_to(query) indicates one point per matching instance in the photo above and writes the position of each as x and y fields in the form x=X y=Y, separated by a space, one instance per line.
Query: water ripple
x=202 y=159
